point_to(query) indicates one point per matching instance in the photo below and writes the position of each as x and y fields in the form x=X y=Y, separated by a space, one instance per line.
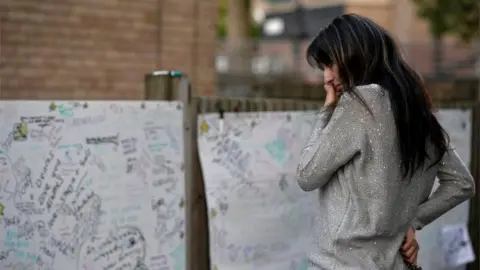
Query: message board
x=91 y=185
x=259 y=218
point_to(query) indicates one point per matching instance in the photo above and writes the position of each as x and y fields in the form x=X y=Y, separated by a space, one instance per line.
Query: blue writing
x=173 y=140
x=65 y=111
x=89 y=182
x=277 y=150
x=26 y=255
x=178 y=256
x=17 y=244
x=11 y=241
x=76 y=145
x=11 y=235
x=303 y=264
x=32 y=257
x=157 y=147
x=19 y=253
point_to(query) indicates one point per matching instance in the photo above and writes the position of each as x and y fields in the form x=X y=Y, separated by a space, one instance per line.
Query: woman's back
x=365 y=203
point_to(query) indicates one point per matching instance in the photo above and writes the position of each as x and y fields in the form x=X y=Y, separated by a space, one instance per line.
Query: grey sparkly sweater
x=364 y=205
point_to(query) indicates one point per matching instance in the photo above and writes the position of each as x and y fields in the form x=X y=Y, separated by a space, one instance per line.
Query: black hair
x=365 y=53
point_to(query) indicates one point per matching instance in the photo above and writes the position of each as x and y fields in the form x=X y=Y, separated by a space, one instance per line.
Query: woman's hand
x=332 y=96
x=410 y=247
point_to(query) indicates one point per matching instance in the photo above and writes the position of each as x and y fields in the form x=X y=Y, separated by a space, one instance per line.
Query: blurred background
x=102 y=49
x=269 y=37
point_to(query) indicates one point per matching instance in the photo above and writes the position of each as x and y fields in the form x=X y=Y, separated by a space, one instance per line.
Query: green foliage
x=222 y=27
x=256 y=30
x=222 y=19
x=457 y=17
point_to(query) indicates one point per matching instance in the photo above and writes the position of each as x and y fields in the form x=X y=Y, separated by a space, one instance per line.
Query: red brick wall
x=381 y=14
x=90 y=49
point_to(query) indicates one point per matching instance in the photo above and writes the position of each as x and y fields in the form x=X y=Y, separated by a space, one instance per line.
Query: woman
x=374 y=153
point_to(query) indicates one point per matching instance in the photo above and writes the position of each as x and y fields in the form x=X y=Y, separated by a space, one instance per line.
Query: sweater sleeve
x=336 y=138
x=456 y=186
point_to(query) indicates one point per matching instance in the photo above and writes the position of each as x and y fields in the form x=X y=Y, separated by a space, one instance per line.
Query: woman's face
x=332 y=77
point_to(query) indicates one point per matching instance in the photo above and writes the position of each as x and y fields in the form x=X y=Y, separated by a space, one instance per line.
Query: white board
x=458 y=124
x=89 y=186
x=456 y=245
x=259 y=218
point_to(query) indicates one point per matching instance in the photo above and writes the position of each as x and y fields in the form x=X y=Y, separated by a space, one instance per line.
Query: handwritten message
x=258 y=216
x=87 y=186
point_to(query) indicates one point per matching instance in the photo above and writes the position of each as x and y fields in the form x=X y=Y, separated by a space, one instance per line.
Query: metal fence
x=256 y=67
x=269 y=57
x=197 y=214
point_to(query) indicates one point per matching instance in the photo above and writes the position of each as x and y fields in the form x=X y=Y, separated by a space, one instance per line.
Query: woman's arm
x=456 y=186
x=331 y=145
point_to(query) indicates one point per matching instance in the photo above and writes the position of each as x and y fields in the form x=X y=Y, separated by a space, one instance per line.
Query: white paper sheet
x=456 y=245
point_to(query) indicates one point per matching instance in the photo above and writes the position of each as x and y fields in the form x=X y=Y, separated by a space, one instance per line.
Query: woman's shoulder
x=370 y=91
x=371 y=99
x=371 y=95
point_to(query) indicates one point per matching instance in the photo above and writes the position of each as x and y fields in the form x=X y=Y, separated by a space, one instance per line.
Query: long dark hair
x=365 y=53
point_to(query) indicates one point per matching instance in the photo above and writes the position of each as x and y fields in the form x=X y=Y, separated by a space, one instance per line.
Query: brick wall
x=379 y=13
x=90 y=49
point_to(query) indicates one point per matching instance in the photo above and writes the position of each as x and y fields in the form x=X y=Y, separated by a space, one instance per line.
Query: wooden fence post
x=162 y=85
x=197 y=237
x=474 y=213
x=173 y=85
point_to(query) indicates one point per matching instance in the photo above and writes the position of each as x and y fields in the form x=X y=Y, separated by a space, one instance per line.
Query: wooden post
x=173 y=85
x=159 y=86
x=197 y=237
x=474 y=213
